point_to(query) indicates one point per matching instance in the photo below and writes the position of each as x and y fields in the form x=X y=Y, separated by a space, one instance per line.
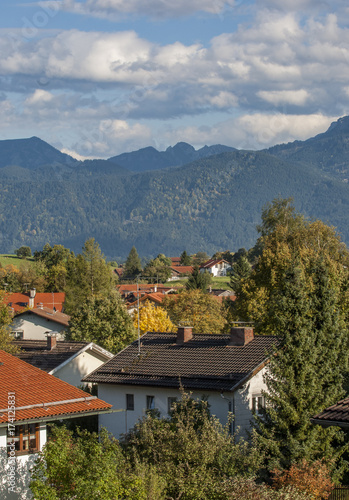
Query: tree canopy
x=133 y=264
x=153 y=319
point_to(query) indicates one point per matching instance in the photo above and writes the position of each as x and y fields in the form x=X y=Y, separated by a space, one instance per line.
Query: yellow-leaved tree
x=153 y=319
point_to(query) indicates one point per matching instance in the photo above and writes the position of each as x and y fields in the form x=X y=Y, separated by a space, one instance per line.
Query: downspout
x=231 y=413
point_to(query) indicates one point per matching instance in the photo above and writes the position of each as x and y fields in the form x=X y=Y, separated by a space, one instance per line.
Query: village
x=123 y=347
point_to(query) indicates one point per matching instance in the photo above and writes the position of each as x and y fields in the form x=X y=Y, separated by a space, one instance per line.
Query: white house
x=226 y=369
x=216 y=267
x=68 y=361
x=34 y=324
x=29 y=398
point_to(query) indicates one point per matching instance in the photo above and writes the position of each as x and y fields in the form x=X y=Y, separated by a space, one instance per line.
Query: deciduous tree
x=197 y=309
x=153 y=319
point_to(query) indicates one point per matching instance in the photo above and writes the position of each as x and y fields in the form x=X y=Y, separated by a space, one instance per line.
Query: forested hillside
x=211 y=204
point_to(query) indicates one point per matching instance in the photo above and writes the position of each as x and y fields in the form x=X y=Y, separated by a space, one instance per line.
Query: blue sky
x=97 y=78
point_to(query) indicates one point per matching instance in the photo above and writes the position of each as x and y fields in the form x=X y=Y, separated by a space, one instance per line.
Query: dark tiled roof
x=205 y=362
x=35 y=352
x=337 y=414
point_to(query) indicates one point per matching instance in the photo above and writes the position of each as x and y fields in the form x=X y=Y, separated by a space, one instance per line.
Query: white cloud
x=116 y=9
x=292 y=97
x=40 y=96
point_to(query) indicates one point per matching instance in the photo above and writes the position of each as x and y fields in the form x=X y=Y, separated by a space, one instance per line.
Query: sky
x=97 y=78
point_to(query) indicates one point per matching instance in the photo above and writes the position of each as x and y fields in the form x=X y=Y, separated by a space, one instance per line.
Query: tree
x=85 y=466
x=133 y=265
x=198 y=280
x=200 y=310
x=186 y=259
x=191 y=451
x=299 y=291
x=158 y=268
x=200 y=257
x=88 y=276
x=153 y=319
x=23 y=252
x=103 y=320
x=6 y=339
x=240 y=270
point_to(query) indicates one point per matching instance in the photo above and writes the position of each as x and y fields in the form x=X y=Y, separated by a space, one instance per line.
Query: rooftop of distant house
x=20 y=301
x=48 y=314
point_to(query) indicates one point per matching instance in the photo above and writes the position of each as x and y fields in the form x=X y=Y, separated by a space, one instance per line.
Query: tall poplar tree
x=133 y=264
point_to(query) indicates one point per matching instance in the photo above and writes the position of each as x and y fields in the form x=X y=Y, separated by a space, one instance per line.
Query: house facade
x=29 y=399
x=34 y=324
x=227 y=370
x=68 y=361
x=216 y=267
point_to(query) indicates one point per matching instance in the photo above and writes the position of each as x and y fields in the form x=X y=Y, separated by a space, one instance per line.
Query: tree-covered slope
x=213 y=203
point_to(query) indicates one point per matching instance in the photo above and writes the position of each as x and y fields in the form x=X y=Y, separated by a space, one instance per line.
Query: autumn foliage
x=312 y=478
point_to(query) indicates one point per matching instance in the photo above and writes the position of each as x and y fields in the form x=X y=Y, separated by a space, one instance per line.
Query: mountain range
x=167 y=201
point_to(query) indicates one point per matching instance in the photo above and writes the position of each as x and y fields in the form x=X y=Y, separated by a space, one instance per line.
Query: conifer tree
x=133 y=264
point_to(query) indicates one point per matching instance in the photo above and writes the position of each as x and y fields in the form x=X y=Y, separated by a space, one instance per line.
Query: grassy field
x=6 y=259
x=218 y=282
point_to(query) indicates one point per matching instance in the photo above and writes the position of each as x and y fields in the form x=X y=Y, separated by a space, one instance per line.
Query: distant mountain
x=150 y=159
x=328 y=151
x=212 y=203
x=31 y=153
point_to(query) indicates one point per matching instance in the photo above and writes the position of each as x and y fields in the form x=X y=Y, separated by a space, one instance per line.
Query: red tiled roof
x=176 y=261
x=156 y=297
x=39 y=395
x=49 y=314
x=20 y=301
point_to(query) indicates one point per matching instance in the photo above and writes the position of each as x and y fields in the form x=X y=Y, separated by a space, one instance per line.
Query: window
x=17 y=334
x=130 y=402
x=170 y=402
x=257 y=403
x=150 y=402
x=25 y=439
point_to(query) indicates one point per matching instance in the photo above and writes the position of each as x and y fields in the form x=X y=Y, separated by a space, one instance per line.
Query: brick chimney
x=241 y=335
x=51 y=342
x=184 y=333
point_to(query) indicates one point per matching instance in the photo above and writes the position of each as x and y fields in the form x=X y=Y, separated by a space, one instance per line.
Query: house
x=36 y=323
x=226 y=369
x=156 y=298
x=68 y=361
x=175 y=261
x=337 y=415
x=18 y=302
x=179 y=271
x=216 y=267
x=29 y=399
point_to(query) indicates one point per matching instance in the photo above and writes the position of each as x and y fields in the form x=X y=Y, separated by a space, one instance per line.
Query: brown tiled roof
x=156 y=297
x=337 y=414
x=212 y=262
x=36 y=353
x=182 y=269
x=40 y=396
x=205 y=362
x=49 y=314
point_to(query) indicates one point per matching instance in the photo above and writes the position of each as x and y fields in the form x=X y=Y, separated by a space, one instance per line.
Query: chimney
x=241 y=335
x=40 y=305
x=184 y=334
x=32 y=294
x=51 y=342
x=155 y=288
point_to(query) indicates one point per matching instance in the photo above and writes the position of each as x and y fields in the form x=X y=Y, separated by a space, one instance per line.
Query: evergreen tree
x=299 y=291
x=198 y=280
x=240 y=270
x=186 y=259
x=133 y=264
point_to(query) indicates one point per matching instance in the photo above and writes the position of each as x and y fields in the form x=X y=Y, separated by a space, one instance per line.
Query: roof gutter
x=46 y=405
x=329 y=423
x=249 y=375
x=54 y=418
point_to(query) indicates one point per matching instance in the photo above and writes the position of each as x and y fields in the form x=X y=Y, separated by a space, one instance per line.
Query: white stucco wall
x=24 y=463
x=121 y=422
x=79 y=367
x=34 y=327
